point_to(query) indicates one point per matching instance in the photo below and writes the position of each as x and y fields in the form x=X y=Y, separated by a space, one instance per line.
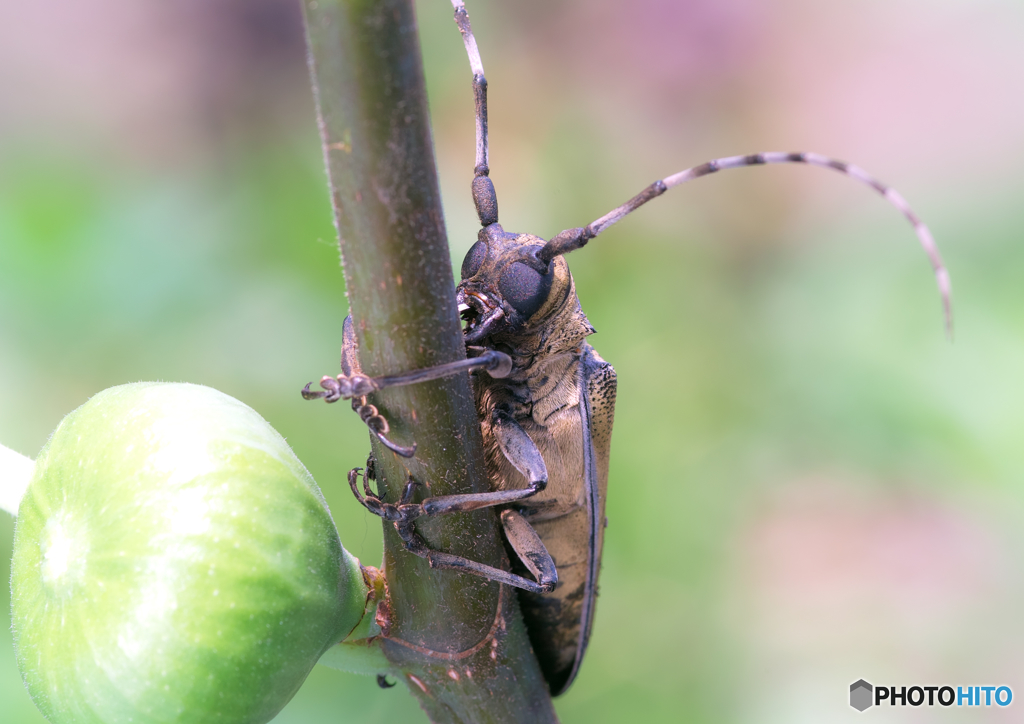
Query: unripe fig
x=174 y=562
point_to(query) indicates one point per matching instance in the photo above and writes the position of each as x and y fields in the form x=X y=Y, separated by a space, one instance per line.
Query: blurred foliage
x=777 y=336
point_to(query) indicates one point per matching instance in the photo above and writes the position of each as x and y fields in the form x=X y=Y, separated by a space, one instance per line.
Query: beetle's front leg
x=353 y=384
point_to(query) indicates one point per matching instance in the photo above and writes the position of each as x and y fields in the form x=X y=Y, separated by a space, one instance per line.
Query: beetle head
x=505 y=290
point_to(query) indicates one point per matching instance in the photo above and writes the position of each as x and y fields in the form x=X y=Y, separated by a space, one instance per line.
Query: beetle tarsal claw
x=331 y=390
x=401 y=451
x=308 y=394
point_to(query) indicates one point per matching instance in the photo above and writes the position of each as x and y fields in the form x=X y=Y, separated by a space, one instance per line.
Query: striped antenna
x=572 y=239
x=479 y=86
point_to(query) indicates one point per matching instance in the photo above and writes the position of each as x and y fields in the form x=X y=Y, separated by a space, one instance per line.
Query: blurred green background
x=809 y=485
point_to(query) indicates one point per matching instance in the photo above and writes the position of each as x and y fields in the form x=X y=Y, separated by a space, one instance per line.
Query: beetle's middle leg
x=523 y=453
x=405 y=513
x=520 y=450
x=519 y=533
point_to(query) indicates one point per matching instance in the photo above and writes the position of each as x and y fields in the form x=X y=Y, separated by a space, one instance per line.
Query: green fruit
x=174 y=562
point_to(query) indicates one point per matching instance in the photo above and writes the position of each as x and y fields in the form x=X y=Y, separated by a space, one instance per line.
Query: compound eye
x=474 y=259
x=525 y=288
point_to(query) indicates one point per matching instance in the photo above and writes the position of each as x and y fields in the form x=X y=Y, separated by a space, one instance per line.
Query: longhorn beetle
x=546 y=403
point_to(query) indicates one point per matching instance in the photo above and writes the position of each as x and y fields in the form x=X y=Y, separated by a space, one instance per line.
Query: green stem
x=458 y=641
x=360 y=652
x=15 y=473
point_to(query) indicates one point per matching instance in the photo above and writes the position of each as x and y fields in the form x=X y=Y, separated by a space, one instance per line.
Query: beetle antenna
x=483 y=188
x=572 y=239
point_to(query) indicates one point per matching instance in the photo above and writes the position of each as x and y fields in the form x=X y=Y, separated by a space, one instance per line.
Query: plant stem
x=458 y=640
x=15 y=473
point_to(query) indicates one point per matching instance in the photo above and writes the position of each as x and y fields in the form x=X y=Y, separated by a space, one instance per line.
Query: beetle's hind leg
x=414 y=543
x=529 y=548
x=520 y=450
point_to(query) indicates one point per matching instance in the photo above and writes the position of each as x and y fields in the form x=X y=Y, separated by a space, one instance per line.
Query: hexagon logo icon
x=861 y=695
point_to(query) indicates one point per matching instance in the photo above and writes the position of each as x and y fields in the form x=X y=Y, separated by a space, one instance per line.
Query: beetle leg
x=353 y=384
x=370 y=474
x=521 y=451
x=349 y=348
x=371 y=502
x=407 y=493
x=404 y=516
x=405 y=452
x=414 y=543
x=353 y=474
x=379 y=426
x=341 y=387
x=473 y=501
x=530 y=548
x=496 y=364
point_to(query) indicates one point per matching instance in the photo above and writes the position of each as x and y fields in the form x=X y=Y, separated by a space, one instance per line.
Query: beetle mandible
x=546 y=403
